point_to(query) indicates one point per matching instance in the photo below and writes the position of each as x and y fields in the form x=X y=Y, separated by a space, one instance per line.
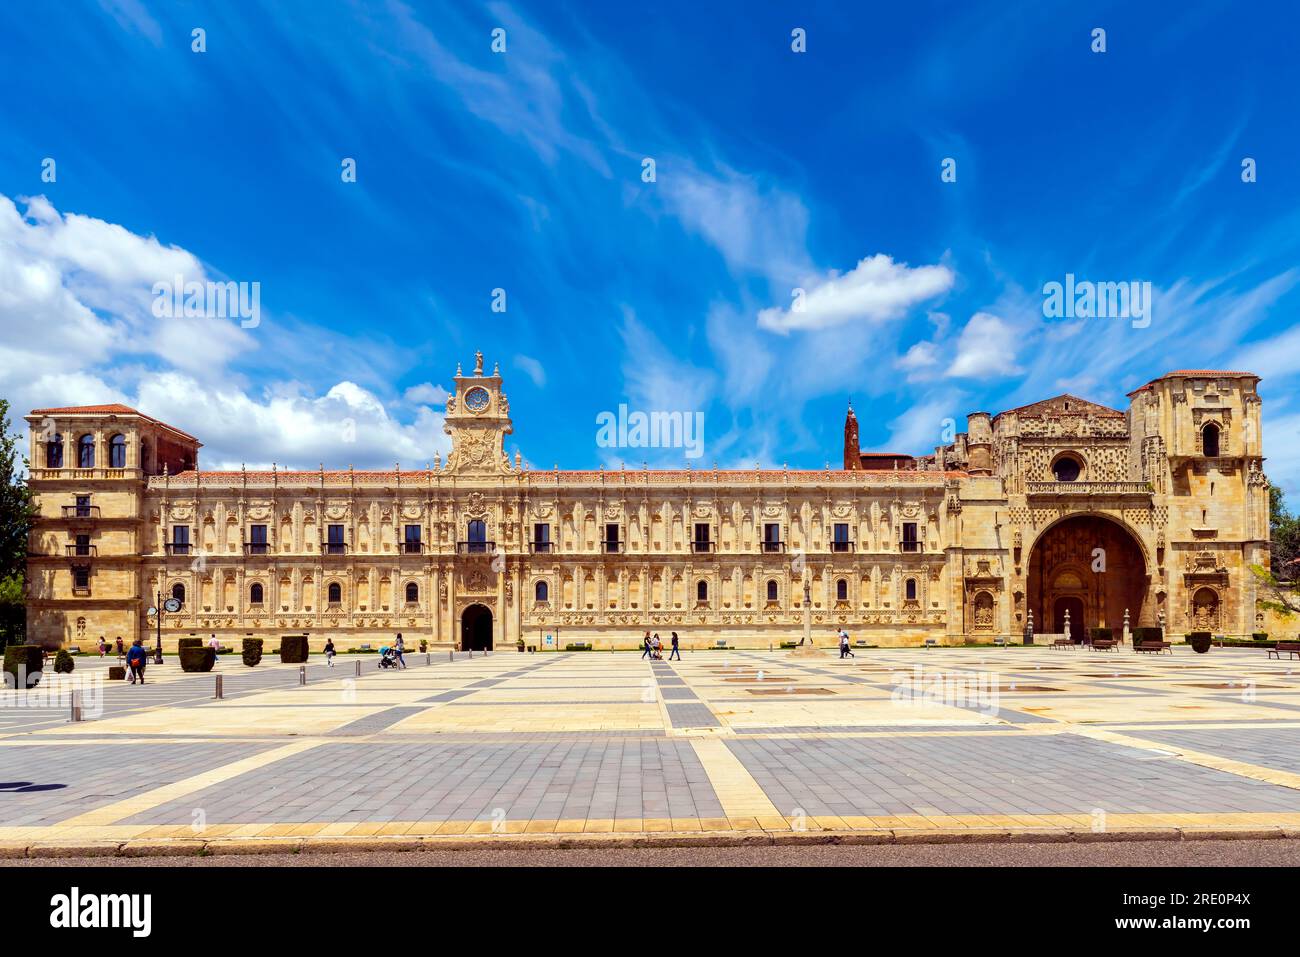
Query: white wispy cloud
x=76 y=328
x=876 y=290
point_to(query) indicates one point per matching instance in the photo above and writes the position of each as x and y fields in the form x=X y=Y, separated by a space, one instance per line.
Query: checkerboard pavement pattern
x=607 y=743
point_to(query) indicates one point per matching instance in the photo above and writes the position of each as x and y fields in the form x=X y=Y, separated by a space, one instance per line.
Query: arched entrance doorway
x=476 y=628
x=1093 y=567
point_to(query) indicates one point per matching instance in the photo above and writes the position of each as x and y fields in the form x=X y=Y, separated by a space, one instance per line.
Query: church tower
x=478 y=420
x=852 y=452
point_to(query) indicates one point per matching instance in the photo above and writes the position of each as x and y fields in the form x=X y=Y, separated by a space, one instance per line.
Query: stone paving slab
x=463 y=782
x=613 y=746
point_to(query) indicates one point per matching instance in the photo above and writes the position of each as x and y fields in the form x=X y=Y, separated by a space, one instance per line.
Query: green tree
x=1284 y=531
x=17 y=510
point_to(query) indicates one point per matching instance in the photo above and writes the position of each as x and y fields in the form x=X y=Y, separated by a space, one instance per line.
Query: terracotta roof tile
x=115 y=408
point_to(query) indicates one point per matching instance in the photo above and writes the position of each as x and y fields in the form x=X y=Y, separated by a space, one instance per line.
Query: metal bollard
x=302 y=674
x=428 y=659
x=358 y=669
x=76 y=706
x=220 y=692
x=451 y=654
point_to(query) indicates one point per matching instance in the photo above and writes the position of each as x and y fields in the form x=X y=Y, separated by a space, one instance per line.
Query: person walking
x=646 y=650
x=676 y=652
x=329 y=652
x=103 y=646
x=121 y=652
x=399 y=647
x=135 y=659
x=845 y=650
x=215 y=645
x=657 y=645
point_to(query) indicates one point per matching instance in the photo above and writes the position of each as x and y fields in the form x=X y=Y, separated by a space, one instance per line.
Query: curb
x=184 y=847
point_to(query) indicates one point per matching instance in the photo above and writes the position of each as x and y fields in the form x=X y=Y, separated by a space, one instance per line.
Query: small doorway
x=1075 y=607
x=476 y=628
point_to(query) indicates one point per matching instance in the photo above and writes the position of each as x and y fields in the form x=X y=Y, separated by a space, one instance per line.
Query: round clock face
x=153 y=612
x=476 y=399
x=173 y=605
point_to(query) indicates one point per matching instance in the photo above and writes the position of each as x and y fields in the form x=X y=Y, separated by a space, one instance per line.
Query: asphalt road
x=1245 y=853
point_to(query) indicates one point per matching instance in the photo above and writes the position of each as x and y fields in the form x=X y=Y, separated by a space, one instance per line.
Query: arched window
x=335 y=593
x=255 y=594
x=1210 y=441
x=771 y=590
x=841 y=590
x=86 y=452
x=412 y=593
x=117 y=452
x=178 y=592
x=702 y=591
x=1066 y=469
x=910 y=589
x=541 y=592
x=54 y=452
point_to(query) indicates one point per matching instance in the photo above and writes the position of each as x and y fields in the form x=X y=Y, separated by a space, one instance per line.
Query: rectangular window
x=910 y=543
x=257 y=540
x=81 y=577
x=841 y=541
x=541 y=537
x=83 y=506
x=477 y=538
x=180 y=539
x=701 y=543
x=334 y=544
x=771 y=537
x=83 y=545
x=611 y=537
x=411 y=544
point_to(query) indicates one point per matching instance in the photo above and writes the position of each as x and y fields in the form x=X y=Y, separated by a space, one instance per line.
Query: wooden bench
x=1292 y=649
x=1061 y=643
x=999 y=642
x=931 y=643
x=1103 y=644
x=1152 y=647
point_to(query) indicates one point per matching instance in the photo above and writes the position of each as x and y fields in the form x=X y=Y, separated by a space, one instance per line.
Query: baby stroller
x=387 y=657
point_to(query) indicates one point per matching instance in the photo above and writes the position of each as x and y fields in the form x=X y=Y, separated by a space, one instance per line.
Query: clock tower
x=478 y=420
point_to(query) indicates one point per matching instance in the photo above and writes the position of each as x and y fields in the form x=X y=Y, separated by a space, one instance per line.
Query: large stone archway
x=476 y=628
x=1092 y=566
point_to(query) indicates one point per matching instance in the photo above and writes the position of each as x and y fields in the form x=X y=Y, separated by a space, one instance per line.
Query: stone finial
x=478 y=363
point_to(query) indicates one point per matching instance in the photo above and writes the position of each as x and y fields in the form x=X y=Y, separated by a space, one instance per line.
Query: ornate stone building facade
x=1060 y=505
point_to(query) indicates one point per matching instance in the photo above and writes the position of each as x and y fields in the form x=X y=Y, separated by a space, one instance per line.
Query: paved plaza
x=893 y=745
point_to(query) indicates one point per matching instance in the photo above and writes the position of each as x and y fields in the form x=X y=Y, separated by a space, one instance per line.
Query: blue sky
x=522 y=171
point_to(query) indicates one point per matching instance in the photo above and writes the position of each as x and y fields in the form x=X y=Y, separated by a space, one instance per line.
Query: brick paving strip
x=501 y=750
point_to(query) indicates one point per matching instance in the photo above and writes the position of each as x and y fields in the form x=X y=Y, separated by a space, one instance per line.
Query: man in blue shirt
x=135 y=660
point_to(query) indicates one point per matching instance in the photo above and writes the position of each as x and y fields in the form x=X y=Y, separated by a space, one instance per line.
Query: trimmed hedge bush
x=252 y=651
x=1101 y=634
x=1260 y=635
x=293 y=649
x=197 y=659
x=63 y=663
x=1200 y=641
x=116 y=673
x=29 y=658
x=1147 y=634
x=183 y=643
